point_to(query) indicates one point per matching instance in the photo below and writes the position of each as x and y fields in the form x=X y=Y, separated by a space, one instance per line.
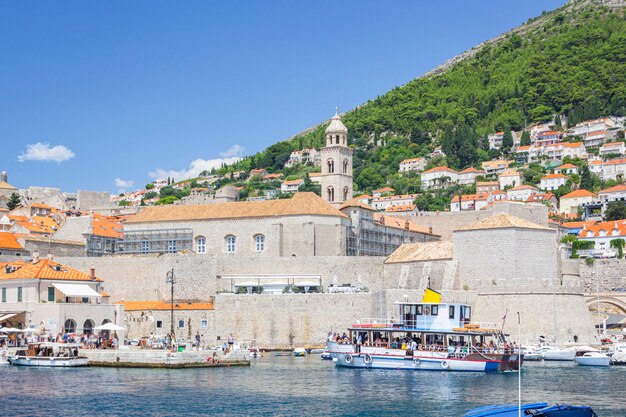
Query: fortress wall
x=605 y=274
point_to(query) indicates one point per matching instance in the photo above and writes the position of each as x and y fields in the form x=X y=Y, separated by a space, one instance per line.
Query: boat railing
x=427 y=323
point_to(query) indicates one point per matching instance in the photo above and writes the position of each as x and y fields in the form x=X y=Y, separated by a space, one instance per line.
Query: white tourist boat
x=593 y=359
x=57 y=355
x=442 y=335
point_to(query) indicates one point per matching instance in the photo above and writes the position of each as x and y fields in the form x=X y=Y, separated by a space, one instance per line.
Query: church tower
x=336 y=164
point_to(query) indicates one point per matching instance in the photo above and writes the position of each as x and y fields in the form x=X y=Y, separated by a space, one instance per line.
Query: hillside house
x=412 y=164
x=495 y=166
x=487 y=186
x=509 y=178
x=291 y=186
x=468 y=202
x=570 y=202
x=439 y=177
x=521 y=192
x=552 y=182
x=612 y=148
x=566 y=169
x=468 y=176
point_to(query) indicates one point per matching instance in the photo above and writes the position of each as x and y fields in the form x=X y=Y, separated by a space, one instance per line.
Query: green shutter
x=51 y=294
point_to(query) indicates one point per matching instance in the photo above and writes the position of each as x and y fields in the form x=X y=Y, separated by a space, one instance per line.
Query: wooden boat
x=57 y=355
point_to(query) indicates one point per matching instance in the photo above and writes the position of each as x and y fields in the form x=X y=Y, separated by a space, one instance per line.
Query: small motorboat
x=316 y=351
x=531 y=353
x=593 y=359
x=299 y=352
x=551 y=353
x=536 y=409
x=4 y=357
x=325 y=355
x=619 y=355
x=57 y=355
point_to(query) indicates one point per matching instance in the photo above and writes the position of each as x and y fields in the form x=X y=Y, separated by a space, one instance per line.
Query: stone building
x=336 y=164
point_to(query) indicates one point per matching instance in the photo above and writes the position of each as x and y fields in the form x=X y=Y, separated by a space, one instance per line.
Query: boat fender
x=444 y=364
x=348 y=358
x=367 y=359
x=416 y=361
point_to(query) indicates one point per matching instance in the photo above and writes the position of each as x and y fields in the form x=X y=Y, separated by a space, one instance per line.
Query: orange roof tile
x=610 y=228
x=400 y=223
x=553 y=176
x=471 y=197
x=164 y=305
x=612 y=145
x=471 y=169
x=411 y=160
x=566 y=166
x=523 y=148
x=300 y=204
x=537 y=198
x=523 y=187
x=510 y=173
x=579 y=193
x=618 y=161
x=6 y=186
x=9 y=241
x=615 y=189
x=106 y=226
x=439 y=169
x=356 y=202
x=398 y=209
x=384 y=190
x=43 y=269
x=293 y=182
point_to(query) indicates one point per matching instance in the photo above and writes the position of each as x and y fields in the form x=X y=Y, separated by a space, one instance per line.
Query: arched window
x=337 y=140
x=230 y=244
x=70 y=326
x=345 y=166
x=88 y=326
x=200 y=244
x=331 y=166
x=259 y=243
x=331 y=194
x=345 y=193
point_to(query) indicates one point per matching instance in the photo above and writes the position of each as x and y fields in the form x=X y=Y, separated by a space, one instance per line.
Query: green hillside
x=571 y=62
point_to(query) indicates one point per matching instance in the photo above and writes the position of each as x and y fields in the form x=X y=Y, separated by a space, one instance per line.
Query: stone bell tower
x=336 y=164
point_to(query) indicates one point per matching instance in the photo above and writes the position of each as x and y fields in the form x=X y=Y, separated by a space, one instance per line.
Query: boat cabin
x=51 y=350
x=433 y=316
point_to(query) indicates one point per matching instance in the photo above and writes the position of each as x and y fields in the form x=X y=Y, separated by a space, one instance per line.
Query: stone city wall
x=146 y=323
x=47 y=247
x=88 y=200
x=288 y=320
x=605 y=275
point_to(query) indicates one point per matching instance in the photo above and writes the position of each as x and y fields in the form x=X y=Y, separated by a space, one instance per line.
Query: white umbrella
x=30 y=330
x=109 y=326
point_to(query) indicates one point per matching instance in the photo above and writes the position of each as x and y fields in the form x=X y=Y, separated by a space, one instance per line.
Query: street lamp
x=170 y=280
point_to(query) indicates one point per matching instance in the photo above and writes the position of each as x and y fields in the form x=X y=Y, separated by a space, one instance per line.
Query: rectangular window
x=171 y=246
x=451 y=312
x=51 y=294
x=434 y=311
x=204 y=324
x=4 y=295
x=19 y=294
x=181 y=324
x=145 y=246
x=85 y=300
x=159 y=324
x=420 y=309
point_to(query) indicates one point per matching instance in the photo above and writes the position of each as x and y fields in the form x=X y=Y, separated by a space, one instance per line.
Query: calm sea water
x=287 y=386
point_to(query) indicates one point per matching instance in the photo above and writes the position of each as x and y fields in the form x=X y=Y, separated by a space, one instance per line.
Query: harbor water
x=288 y=386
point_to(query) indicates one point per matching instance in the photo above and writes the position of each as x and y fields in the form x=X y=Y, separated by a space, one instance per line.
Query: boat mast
x=519 y=366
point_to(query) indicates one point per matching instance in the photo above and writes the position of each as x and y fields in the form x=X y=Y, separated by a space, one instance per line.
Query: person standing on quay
x=231 y=341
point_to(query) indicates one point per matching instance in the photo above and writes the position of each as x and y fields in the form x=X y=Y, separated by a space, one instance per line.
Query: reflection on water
x=300 y=386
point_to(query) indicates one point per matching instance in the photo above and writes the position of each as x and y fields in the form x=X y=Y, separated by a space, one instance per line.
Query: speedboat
x=593 y=359
x=536 y=409
x=532 y=353
x=316 y=351
x=299 y=352
x=552 y=353
x=57 y=355
x=4 y=357
x=619 y=355
x=325 y=355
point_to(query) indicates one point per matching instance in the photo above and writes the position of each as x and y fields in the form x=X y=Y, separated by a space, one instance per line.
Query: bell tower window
x=345 y=193
x=331 y=166
x=331 y=194
x=345 y=166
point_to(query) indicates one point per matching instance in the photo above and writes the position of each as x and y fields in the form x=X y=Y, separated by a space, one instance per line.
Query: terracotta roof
x=272 y=176
x=411 y=160
x=615 y=189
x=364 y=196
x=106 y=226
x=423 y=251
x=578 y=225
x=502 y=221
x=471 y=169
x=498 y=192
x=300 y=204
x=566 y=166
x=400 y=223
x=399 y=209
x=6 y=186
x=164 y=305
x=439 y=169
x=495 y=164
x=538 y=198
x=355 y=202
x=579 y=193
x=293 y=182
x=315 y=174
x=618 y=161
x=471 y=197
x=610 y=229
x=509 y=173
x=571 y=144
x=612 y=145
x=486 y=183
x=523 y=187
x=43 y=269
x=384 y=190
x=523 y=148
x=553 y=176
x=395 y=197
x=41 y=205
x=9 y=241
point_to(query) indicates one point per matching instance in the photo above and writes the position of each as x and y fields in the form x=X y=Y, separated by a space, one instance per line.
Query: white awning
x=7 y=316
x=76 y=290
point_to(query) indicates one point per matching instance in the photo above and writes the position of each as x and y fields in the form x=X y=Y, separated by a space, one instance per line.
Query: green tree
x=615 y=210
x=149 y=186
x=507 y=142
x=167 y=200
x=14 y=201
x=123 y=203
x=619 y=245
x=525 y=139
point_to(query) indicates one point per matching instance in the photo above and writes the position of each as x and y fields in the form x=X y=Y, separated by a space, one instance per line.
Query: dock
x=152 y=358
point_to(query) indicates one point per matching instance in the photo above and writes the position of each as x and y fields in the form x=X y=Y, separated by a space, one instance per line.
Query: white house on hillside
x=439 y=177
x=552 y=182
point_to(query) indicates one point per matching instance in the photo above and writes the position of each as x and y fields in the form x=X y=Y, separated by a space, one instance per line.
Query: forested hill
x=571 y=62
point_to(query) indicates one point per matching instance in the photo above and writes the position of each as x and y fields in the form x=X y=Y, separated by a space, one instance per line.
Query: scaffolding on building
x=370 y=237
x=155 y=241
x=100 y=245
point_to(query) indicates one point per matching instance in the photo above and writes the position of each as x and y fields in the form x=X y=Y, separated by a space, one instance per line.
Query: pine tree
x=586 y=180
x=525 y=140
x=507 y=142
x=14 y=201
x=557 y=122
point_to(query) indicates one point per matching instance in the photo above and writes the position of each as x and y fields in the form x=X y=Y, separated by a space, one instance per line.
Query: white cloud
x=120 y=183
x=235 y=150
x=44 y=152
x=195 y=168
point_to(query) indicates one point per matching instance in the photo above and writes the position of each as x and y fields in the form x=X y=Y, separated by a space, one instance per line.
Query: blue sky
x=109 y=95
